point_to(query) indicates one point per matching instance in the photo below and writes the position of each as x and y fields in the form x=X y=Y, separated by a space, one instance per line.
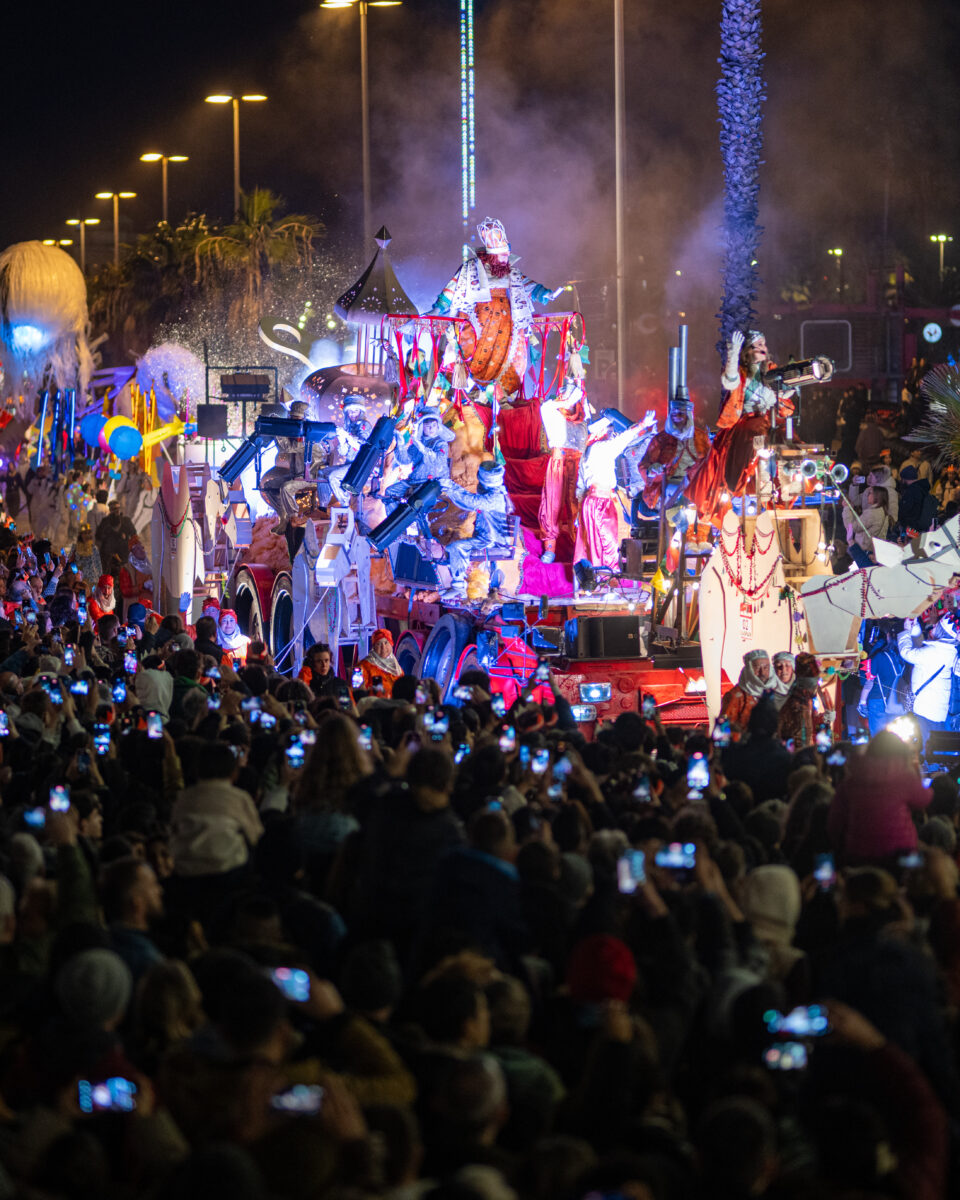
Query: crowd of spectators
x=300 y=938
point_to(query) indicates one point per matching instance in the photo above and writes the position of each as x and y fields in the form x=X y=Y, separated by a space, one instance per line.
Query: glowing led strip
x=468 y=179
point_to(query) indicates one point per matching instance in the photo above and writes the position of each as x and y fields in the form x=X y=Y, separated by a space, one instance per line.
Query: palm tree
x=258 y=242
x=740 y=96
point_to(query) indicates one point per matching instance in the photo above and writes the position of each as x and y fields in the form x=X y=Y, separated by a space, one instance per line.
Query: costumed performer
x=498 y=299
x=674 y=452
x=102 y=599
x=784 y=668
x=754 y=682
x=380 y=668
x=234 y=642
x=798 y=723
x=491 y=532
x=351 y=435
x=428 y=451
x=564 y=423
x=744 y=418
x=598 y=524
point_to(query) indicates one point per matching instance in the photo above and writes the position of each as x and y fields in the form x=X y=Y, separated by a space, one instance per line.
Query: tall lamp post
x=220 y=98
x=363 y=5
x=837 y=253
x=116 y=197
x=941 y=239
x=81 y=223
x=163 y=159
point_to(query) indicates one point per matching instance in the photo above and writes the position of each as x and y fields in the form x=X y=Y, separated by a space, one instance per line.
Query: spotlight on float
x=808 y=468
x=839 y=473
x=422 y=500
x=363 y=466
x=241 y=458
x=585 y=574
x=547 y=639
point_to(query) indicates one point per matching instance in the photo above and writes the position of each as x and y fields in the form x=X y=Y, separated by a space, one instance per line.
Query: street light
x=116 y=197
x=838 y=255
x=941 y=239
x=82 y=223
x=220 y=98
x=58 y=241
x=364 y=97
x=163 y=159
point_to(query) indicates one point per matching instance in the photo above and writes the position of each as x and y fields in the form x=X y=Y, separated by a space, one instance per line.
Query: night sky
x=863 y=99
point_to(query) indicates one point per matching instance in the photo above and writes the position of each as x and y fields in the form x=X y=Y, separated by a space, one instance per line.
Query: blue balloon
x=126 y=441
x=90 y=428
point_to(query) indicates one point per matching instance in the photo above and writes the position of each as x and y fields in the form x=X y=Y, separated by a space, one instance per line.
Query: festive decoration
x=174 y=374
x=43 y=320
x=740 y=95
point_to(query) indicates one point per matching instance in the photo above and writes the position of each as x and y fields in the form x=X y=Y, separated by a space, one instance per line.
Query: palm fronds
x=940 y=429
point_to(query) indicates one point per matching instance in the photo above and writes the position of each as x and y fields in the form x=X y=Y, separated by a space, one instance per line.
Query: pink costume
x=598 y=529
x=566 y=436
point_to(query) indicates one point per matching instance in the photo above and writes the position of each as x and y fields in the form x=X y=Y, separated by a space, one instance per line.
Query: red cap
x=105 y=582
x=381 y=633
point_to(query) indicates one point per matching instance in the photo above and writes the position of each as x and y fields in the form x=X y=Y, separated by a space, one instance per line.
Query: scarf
x=388 y=665
x=236 y=641
x=106 y=601
x=749 y=683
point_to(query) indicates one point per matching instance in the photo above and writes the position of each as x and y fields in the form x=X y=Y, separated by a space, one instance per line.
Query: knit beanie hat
x=94 y=987
x=601 y=968
x=771 y=902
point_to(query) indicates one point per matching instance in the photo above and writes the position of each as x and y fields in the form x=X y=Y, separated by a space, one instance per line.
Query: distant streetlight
x=837 y=253
x=363 y=5
x=58 y=241
x=163 y=159
x=116 y=197
x=82 y=223
x=941 y=239
x=220 y=98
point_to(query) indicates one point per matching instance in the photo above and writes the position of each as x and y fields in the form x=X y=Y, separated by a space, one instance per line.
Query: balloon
x=90 y=428
x=109 y=429
x=126 y=441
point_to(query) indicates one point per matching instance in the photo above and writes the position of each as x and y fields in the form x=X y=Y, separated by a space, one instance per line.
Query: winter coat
x=871 y=814
x=933 y=665
x=213 y=826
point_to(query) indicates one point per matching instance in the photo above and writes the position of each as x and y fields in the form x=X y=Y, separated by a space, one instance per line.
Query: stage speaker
x=605 y=637
x=413 y=569
x=212 y=420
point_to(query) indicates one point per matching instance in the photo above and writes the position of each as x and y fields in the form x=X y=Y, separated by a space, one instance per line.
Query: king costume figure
x=498 y=300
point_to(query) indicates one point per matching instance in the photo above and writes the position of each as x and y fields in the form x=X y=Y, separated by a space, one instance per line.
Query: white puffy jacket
x=933 y=666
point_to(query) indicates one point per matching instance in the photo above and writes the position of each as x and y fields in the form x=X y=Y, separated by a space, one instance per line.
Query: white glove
x=734 y=346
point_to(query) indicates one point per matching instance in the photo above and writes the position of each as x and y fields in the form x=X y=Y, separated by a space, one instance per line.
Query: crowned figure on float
x=746 y=413
x=498 y=299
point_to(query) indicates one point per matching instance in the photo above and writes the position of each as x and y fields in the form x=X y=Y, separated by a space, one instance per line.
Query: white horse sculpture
x=740 y=605
x=906 y=581
x=176 y=544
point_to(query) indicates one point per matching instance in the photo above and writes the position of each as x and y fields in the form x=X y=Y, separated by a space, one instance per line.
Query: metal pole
x=618 y=159
x=365 y=124
x=116 y=229
x=236 y=157
x=941 y=261
x=83 y=247
x=163 y=175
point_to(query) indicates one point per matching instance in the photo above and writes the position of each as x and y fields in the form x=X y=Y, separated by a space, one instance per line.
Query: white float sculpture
x=907 y=581
x=43 y=321
x=741 y=607
x=176 y=543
